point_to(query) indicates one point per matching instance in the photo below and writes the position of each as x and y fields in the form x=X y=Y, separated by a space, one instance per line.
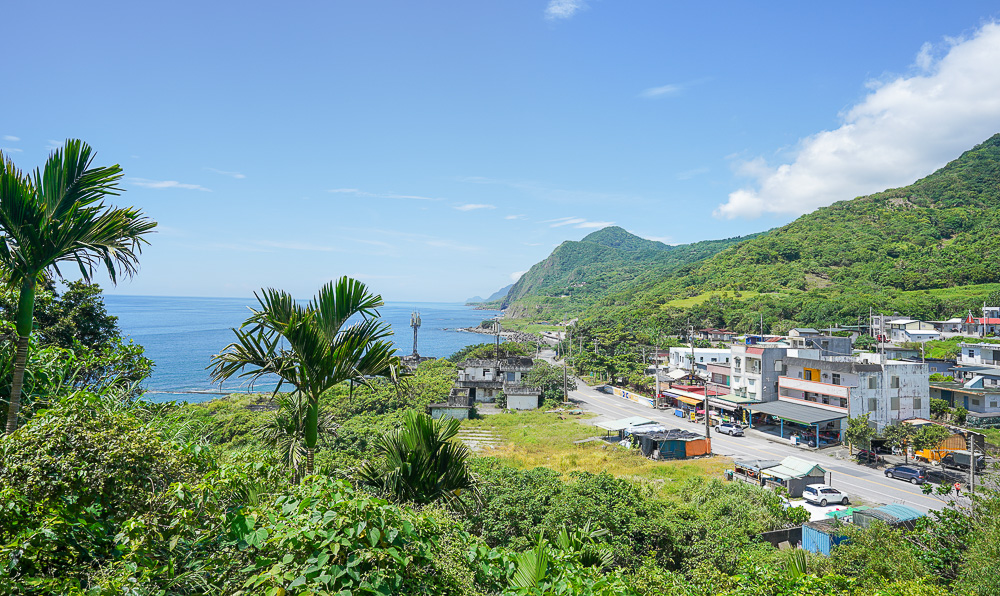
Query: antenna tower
x=415 y=323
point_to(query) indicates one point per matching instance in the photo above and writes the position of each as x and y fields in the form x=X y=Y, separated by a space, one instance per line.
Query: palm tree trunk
x=25 y=320
x=20 y=363
x=312 y=432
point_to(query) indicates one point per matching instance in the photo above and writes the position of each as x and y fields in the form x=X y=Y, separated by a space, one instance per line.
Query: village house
x=988 y=324
x=976 y=385
x=904 y=330
x=485 y=379
x=715 y=335
x=888 y=391
x=680 y=357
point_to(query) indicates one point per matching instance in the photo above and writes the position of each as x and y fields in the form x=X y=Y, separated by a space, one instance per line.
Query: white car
x=730 y=428
x=824 y=494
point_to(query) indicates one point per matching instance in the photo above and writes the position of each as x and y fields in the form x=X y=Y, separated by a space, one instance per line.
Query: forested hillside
x=577 y=274
x=939 y=232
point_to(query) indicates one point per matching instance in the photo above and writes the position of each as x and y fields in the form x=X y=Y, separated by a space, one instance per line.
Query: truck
x=962 y=460
x=955 y=442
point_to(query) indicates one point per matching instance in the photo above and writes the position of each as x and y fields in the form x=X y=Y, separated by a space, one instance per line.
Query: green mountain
x=578 y=274
x=908 y=249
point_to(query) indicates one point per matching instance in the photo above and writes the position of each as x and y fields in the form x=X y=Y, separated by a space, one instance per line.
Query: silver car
x=730 y=428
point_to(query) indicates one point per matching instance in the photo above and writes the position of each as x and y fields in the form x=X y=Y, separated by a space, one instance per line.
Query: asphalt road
x=865 y=485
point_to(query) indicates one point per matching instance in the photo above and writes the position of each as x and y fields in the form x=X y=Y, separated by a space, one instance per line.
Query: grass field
x=533 y=439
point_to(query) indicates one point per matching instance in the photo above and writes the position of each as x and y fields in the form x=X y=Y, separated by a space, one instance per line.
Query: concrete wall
x=456 y=413
x=522 y=402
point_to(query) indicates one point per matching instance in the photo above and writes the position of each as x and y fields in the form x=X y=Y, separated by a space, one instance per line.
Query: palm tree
x=420 y=463
x=285 y=432
x=311 y=347
x=57 y=215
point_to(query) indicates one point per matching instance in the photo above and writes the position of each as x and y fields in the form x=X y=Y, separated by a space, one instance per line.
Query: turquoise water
x=180 y=335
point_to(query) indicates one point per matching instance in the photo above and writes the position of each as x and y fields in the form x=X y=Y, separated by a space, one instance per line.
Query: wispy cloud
x=298 y=246
x=665 y=90
x=11 y=138
x=474 y=206
x=518 y=216
x=451 y=245
x=53 y=145
x=670 y=90
x=572 y=197
x=577 y=222
x=905 y=128
x=563 y=9
x=377 y=195
x=689 y=174
x=164 y=184
x=10 y=150
x=415 y=238
x=236 y=175
x=516 y=275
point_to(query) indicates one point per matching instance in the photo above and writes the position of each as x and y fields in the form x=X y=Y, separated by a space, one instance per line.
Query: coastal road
x=866 y=485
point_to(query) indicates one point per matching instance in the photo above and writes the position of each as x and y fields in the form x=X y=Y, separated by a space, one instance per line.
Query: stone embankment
x=508 y=335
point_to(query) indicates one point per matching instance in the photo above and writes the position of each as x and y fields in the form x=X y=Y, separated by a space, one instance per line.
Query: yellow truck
x=955 y=442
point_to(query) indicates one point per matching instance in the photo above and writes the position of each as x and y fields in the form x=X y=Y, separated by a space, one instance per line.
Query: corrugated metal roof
x=796 y=412
x=623 y=423
x=897 y=513
x=793 y=467
x=757 y=351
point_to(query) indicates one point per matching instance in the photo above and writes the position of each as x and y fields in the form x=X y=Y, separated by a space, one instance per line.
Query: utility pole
x=972 y=463
x=565 y=390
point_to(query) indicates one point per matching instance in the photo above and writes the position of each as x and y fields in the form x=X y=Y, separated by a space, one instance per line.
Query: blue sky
x=436 y=149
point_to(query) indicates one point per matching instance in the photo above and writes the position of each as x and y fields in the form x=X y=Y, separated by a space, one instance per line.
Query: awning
x=796 y=412
x=688 y=400
x=738 y=399
x=678 y=374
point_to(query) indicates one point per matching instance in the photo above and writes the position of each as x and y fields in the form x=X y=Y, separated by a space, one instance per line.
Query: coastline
x=518 y=336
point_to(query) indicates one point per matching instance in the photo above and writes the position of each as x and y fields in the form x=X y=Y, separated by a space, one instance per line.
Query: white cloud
x=163 y=184
x=665 y=90
x=577 y=222
x=473 y=206
x=362 y=193
x=11 y=138
x=236 y=175
x=516 y=275
x=298 y=246
x=905 y=128
x=53 y=145
x=10 y=150
x=689 y=174
x=518 y=216
x=563 y=9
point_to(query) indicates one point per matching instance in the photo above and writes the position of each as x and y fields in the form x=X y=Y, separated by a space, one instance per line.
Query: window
x=972 y=353
x=836 y=378
x=872 y=404
x=975 y=402
x=917 y=403
x=894 y=382
x=873 y=382
x=993 y=404
x=777 y=365
x=894 y=403
x=825 y=344
x=715 y=359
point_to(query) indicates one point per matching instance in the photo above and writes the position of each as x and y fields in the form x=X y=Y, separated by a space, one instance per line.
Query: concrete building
x=888 y=391
x=756 y=366
x=902 y=330
x=485 y=379
x=680 y=357
x=988 y=324
x=458 y=406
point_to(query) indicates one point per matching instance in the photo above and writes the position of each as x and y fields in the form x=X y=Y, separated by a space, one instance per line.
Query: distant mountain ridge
x=495 y=296
x=579 y=273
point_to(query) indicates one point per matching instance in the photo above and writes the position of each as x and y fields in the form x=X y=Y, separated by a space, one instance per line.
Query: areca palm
x=286 y=431
x=311 y=347
x=420 y=462
x=57 y=215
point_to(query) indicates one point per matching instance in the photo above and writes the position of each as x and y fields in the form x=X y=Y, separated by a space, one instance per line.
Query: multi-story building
x=888 y=391
x=680 y=357
x=485 y=379
x=756 y=366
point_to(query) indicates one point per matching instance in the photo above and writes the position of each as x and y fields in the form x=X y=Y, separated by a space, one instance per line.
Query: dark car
x=870 y=457
x=915 y=474
x=940 y=476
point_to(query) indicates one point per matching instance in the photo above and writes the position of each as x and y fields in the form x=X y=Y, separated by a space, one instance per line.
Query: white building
x=888 y=391
x=680 y=357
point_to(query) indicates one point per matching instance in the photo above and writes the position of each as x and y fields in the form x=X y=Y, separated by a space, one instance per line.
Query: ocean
x=180 y=335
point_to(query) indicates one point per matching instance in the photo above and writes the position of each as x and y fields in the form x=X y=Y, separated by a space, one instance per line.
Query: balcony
x=466 y=381
x=814 y=387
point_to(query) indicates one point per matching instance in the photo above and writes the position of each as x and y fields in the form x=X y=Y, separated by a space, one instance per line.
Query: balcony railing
x=521 y=389
x=814 y=387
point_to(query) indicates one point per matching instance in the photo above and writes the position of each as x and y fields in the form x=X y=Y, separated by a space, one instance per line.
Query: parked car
x=868 y=456
x=942 y=476
x=730 y=428
x=914 y=474
x=823 y=494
